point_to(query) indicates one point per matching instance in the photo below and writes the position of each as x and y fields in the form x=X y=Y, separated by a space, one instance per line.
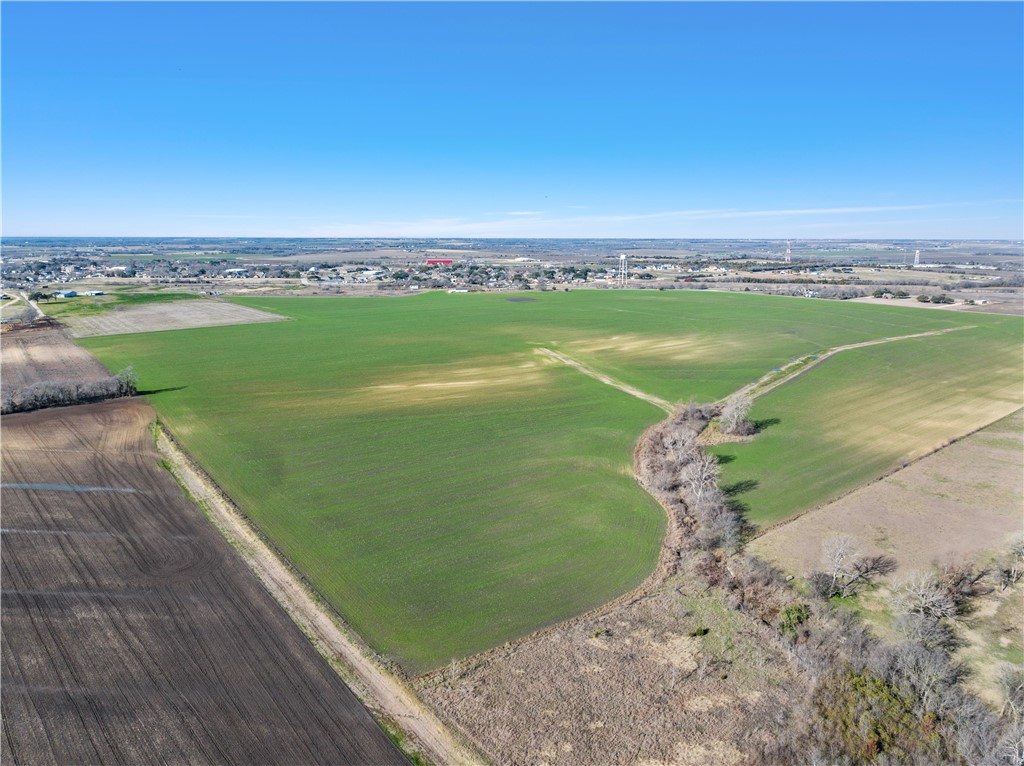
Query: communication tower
x=789 y=253
x=623 y=271
x=917 y=257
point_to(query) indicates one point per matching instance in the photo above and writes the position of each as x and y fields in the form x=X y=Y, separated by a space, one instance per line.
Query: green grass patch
x=448 y=489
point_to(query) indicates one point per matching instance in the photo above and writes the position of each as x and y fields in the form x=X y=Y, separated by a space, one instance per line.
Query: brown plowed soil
x=45 y=353
x=132 y=633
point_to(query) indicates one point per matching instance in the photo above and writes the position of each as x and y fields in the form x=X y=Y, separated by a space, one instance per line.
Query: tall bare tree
x=734 y=415
x=701 y=474
x=846 y=570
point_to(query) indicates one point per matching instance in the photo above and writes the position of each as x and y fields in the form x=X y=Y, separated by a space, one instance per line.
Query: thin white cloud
x=862 y=220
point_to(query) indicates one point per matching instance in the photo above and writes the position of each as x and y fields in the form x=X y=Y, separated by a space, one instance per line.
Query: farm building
x=65 y=294
x=439 y=261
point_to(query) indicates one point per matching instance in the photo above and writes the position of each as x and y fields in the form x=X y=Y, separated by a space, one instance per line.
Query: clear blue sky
x=868 y=120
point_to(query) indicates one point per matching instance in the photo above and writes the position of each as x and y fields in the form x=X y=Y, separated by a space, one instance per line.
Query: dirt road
x=625 y=387
x=789 y=371
x=379 y=689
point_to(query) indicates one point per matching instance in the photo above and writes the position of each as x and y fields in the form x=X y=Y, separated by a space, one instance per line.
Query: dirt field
x=131 y=631
x=45 y=354
x=961 y=502
x=172 y=315
x=630 y=686
x=1011 y=306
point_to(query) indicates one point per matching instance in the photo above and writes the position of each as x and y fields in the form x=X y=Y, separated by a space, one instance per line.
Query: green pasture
x=447 y=489
x=867 y=411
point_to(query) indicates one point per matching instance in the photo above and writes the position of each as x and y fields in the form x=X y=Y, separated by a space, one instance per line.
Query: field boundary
x=891 y=472
x=657 y=401
x=378 y=688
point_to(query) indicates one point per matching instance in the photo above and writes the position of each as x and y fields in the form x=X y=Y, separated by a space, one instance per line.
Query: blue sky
x=868 y=120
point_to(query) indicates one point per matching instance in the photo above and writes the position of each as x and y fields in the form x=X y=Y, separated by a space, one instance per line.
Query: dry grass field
x=169 y=315
x=962 y=503
x=132 y=633
x=629 y=685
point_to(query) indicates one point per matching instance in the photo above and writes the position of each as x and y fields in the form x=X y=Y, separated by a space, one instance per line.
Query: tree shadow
x=739 y=487
x=764 y=423
x=725 y=459
x=741 y=509
x=151 y=391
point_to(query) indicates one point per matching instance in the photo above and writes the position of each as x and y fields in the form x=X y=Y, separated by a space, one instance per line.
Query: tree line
x=52 y=393
x=873 y=701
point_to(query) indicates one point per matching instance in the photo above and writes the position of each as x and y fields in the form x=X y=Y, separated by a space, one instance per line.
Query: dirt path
x=789 y=371
x=655 y=400
x=33 y=304
x=378 y=689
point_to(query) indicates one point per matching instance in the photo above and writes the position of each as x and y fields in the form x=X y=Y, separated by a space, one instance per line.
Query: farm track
x=131 y=633
x=657 y=401
x=797 y=367
x=378 y=688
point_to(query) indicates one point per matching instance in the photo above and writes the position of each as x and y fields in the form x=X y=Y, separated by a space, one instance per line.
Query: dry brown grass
x=628 y=686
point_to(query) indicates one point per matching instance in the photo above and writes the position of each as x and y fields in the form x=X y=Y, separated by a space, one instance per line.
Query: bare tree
x=846 y=571
x=701 y=475
x=734 y=415
x=1011 y=681
x=1011 y=566
x=922 y=593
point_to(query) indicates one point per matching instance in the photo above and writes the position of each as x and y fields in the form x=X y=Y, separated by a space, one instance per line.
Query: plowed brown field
x=172 y=315
x=132 y=633
x=46 y=353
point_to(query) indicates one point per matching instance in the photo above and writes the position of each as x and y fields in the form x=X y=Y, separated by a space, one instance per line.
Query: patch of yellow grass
x=675 y=348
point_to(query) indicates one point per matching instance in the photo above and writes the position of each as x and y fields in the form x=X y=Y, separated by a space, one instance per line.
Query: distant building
x=65 y=294
x=439 y=261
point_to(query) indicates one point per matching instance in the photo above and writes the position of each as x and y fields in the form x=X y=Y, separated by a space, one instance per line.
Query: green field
x=449 y=489
x=867 y=411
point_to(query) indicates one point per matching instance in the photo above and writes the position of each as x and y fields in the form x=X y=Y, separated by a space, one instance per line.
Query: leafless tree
x=928 y=632
x=734 y=415
x=963 y=581
x=846 y=571
x=1011 y=681
x=922 y=593
x=701 y=475
x=1011 y=566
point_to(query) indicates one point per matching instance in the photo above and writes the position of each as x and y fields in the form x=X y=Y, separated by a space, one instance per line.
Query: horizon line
x=5 y=237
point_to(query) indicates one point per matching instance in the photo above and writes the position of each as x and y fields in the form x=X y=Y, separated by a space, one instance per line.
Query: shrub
x=792 y=617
